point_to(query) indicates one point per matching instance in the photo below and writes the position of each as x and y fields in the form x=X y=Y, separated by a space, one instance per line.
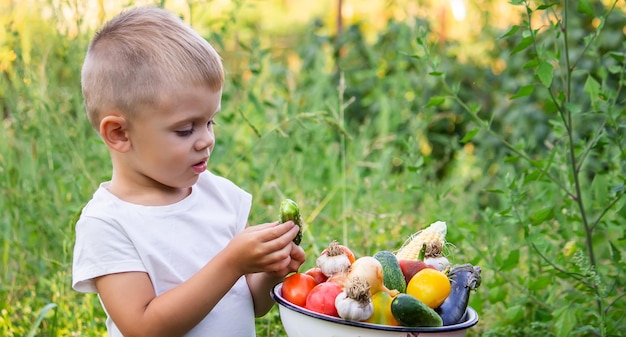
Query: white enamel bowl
x=300 y=322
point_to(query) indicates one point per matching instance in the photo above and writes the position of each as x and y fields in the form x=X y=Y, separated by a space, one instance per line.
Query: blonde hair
x=140 y=55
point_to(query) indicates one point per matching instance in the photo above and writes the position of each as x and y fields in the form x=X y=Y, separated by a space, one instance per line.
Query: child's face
x=172 y=143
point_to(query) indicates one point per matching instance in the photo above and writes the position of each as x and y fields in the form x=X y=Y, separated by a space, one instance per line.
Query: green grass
x=412 y=136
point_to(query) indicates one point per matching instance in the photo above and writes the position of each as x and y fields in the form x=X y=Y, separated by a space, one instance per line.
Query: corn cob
x=430 y=241
x=289 y=211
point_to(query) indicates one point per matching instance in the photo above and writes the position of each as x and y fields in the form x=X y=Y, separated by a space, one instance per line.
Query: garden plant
x=375 y=135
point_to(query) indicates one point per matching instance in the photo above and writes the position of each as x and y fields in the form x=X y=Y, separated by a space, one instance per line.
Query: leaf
x=468 y=136
x=418 y=164
x=617 y=56
x=617 y=188
x=544 y=73
x=585 y=7
x=512 y=260
x=511 y=159
x=435 y=101
x=514 y=313
x=524 y=91
x=546 y=6
x=532 y=176
x=497 y=294
x=540 y=282
x=615 y=69
x=474 y=108
x=542 y=215
x=592 y=87
x=616 y=255
x=40 y=318
x=573 y=107
x=531 y=64
x=526 y=41
x=599 y=186
x=565 y=321
x=511 y=31
x=255 y=102
x=505 y=212
x=586 y=330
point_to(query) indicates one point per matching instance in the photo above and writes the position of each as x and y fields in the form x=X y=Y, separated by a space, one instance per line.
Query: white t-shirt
x=170 y=243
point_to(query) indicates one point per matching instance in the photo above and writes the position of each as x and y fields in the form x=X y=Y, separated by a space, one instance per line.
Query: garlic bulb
x=333 y=260
x=354 y=303
x=440 y=262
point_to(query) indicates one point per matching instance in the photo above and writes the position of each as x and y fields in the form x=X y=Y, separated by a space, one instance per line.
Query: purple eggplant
x=463 y=278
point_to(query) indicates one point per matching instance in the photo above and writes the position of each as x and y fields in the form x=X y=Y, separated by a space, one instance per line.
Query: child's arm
x=130 y=300
x=260 y=284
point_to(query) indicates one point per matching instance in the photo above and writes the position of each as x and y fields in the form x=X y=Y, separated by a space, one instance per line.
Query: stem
x=566 y=116
x=605 y=210
x=485 y=126
x=590 y=145
x=616 y=300
x=344 y=165
x=480 y=251
x=579 y=277
x=619 y=83
x=508 y=145
x=595 y=36
x=572 y=150
x=575 y=172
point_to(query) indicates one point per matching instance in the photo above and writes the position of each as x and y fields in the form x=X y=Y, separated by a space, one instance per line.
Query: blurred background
x=503 y=118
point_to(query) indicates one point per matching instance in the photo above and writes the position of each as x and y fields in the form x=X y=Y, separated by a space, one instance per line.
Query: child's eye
x=210 y=123
x=184 y=133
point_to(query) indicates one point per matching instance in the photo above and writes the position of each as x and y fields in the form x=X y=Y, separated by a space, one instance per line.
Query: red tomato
x=296 y=288
x=317 y=274
x=321 y=299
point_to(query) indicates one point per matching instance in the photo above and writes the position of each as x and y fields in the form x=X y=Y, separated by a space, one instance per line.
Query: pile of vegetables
x=416 y=286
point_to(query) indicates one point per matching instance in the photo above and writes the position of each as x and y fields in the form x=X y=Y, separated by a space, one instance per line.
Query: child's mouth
x=200 y=167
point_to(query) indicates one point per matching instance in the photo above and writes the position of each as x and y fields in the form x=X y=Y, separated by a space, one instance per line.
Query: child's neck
x=147 y=195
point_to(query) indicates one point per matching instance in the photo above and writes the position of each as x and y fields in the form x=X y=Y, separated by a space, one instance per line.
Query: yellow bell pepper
x=382 y=310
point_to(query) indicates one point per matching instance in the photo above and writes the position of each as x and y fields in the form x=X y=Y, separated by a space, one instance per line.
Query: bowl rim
x=470 y=317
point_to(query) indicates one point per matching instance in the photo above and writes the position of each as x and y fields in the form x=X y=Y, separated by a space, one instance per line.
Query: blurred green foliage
x=375 y=135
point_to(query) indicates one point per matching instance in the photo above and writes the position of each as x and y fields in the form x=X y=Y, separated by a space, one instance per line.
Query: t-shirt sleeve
x=245 y=204
x=239 y=199
x=101 y=248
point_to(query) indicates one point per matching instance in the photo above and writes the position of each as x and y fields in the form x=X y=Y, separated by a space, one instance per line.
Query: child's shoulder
x=101 y=199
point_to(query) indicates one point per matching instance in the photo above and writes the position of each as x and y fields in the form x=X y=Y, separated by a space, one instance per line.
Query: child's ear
x=114 y=132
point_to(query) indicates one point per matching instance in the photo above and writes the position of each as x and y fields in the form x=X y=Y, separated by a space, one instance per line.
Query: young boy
x=165 y=243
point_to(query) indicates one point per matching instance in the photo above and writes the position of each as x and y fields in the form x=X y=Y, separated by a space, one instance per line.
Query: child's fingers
x=276 y=232
x=261 y=227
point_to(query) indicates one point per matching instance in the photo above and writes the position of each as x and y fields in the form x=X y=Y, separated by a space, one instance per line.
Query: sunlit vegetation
x=504 y=119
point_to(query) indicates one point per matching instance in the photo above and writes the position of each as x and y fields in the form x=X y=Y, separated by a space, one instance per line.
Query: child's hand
x=267 y=248
x=297 y=259
x=268 y=255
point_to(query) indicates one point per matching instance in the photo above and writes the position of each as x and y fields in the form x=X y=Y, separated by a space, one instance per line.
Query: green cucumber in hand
x=289 y=211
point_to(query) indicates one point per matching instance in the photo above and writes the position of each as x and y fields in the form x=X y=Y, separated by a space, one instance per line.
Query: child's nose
x=206 y=139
